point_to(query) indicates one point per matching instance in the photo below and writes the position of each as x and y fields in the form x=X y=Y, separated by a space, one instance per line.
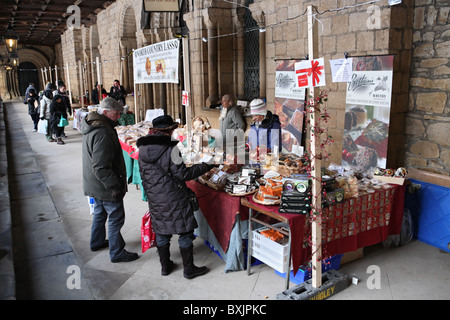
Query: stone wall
x=428 y=121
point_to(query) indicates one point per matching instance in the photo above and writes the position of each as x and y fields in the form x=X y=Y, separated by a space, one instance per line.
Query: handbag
x=148 y=237
x=63 y=122
x=188 y=192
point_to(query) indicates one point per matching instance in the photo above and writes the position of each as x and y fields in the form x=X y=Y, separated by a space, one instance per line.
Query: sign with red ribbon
x=310 y=73
x=185 y=99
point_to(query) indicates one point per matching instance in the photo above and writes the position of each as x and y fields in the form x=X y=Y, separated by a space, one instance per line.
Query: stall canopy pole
x=187 y=87
x=136 y=108
x=68 y=82
x=316 y=232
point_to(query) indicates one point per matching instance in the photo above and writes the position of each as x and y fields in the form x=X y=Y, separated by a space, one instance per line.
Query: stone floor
x=51 y=230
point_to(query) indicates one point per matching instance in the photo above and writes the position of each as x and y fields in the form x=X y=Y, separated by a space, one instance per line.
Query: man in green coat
x=105 y=178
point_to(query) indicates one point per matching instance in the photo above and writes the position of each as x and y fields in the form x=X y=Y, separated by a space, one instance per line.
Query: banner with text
x=157 y=63
x=367 y=112
x=289 y=105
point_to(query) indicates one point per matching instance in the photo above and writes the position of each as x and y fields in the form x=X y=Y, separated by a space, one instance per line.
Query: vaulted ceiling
x=41 y=22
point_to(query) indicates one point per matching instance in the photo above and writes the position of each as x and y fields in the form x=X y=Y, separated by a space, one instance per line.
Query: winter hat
x=111 y=104
x=258 y=107
x=164 y=123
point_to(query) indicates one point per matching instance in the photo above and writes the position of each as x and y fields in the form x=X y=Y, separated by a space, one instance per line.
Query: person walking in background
x=66 y=102
x=105 y=178
x=163 y=180
x=95 y=99
x=33 y=107
x=45 y=114
x=58 y=110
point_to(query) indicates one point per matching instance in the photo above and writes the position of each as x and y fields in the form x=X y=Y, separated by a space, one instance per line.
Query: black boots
x=190 y=270
x=164 y=258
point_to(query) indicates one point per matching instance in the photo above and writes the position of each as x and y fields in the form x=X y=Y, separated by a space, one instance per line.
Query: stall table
x=355 y=223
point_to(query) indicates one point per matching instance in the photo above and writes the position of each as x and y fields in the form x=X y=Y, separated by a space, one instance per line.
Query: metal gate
x=251 y=56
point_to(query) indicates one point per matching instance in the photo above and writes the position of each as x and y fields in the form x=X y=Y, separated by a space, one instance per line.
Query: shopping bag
x=42 y=126
x=63 y=122
x=148 y=237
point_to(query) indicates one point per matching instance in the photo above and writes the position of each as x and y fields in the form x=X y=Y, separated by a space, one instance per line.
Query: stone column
x=238 y=20
x=211 y=24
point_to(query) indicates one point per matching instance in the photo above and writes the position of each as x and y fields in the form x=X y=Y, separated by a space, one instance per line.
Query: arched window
x=251 y=56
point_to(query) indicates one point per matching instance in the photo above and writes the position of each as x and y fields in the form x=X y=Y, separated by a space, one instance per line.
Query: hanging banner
x=289 y=105
x=157 y=63
x=367 y=112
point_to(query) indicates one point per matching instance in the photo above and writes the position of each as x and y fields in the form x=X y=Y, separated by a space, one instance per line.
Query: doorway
x=28 y=73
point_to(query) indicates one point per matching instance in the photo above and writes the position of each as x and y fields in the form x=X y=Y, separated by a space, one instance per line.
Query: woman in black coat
x=33 y=111
x=162 y=170
x=57 y=110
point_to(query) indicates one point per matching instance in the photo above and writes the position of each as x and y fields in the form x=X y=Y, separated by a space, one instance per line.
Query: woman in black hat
x=163 y=176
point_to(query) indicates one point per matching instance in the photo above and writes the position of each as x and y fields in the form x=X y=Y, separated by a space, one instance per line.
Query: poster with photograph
x=289 y=104
x=157 y=63
x=367 y=112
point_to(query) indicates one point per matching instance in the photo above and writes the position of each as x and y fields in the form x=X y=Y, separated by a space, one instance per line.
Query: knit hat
x=258 y=107
x=111 y=104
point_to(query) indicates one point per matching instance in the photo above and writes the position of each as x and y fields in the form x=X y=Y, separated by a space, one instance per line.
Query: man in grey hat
x=105 y=178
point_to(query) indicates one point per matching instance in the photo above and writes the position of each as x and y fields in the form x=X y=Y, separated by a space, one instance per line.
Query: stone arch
x=35 y=57
x=127 y=32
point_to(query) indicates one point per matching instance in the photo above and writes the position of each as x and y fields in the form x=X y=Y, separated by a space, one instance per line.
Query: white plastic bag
x=42 y=126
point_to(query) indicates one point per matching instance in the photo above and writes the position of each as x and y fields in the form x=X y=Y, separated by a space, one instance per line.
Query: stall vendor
x=265 y=129
x=230 y=118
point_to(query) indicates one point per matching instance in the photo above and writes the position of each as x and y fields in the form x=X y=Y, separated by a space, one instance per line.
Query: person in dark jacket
x=57 y=110
x=65 y=100
x=162 y=170
x=94 y=94
x=105 y=179
x=118 y=92
x=33 y=107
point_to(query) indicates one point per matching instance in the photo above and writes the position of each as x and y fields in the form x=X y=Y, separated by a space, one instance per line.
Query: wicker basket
x=204 y=120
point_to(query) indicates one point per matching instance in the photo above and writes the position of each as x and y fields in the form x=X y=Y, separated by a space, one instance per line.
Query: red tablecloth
x=353 y=224
x=220 y=210
x=130 y=150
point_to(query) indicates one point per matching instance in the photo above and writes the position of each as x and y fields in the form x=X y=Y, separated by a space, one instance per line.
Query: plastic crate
x=271 y=253
x=304 y=273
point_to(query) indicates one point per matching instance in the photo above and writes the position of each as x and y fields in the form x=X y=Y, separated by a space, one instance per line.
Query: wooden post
x=316 y=232
x=68 y=83
x=99 y=77
x=81 y=83
x=187 y=87
x=136 y=109
x=43 y=78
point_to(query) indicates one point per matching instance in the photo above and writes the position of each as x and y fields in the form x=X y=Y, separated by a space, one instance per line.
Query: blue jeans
x=115 y=213
x=184 y=241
